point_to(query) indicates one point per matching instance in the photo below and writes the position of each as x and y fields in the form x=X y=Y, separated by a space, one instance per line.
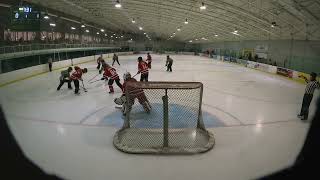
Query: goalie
x=133 y=94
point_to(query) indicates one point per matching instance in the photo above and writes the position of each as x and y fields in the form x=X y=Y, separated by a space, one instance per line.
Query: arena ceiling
x=222 y=20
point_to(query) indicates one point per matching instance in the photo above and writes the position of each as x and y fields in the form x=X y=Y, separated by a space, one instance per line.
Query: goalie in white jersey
x=133 y=94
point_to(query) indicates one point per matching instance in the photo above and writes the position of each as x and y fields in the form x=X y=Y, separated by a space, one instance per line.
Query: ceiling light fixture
x=178 y=29
x=52 y=24
x=73 y=28
x=133 y=21
x=83 y=26
x=118 y=5
x=216 y=35
x=273 y=24
x=186 y=22
x=235 y=33
x=46 y=16
x=203 y=7
x=87 y=31
x=102 y=30
x=140 y=28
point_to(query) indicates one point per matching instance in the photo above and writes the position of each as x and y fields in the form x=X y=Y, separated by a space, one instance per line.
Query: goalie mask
x=126 y=76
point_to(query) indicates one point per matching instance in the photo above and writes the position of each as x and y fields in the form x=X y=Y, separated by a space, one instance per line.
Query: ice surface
x=251 y=113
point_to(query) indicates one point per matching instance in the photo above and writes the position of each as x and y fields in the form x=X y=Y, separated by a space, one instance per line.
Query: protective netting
x=163 y=117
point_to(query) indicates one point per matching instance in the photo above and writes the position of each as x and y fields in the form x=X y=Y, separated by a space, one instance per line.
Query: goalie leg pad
x=146 y=106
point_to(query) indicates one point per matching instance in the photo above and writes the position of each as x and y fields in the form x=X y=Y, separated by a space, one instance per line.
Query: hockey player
x=99 y=61
x=115 y=58
x=133 y=93
x=112 y=74
x=312 y=84
x=76 y=76
x=169 y=63
x=65 y=77
x=143 y=69
x=149 y=60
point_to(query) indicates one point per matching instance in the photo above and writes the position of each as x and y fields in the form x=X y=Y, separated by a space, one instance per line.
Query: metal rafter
x=160 y=18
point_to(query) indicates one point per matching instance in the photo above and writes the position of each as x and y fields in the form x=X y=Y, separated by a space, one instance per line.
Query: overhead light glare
x=52 y=24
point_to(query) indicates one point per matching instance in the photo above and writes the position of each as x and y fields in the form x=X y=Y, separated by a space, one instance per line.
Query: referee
x=312 y=84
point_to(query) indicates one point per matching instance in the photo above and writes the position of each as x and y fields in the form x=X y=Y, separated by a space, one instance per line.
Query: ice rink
x=252 y=114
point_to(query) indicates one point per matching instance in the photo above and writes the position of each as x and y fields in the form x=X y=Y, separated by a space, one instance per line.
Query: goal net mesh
x=163 y=117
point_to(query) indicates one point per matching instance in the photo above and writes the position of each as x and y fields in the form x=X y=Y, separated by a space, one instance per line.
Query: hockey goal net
x=163 y=118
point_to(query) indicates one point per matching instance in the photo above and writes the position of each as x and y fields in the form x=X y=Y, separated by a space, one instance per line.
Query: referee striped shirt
x=311 y=86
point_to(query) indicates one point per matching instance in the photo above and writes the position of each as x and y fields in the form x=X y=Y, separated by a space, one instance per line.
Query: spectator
x=250 y=57
x=50 y=63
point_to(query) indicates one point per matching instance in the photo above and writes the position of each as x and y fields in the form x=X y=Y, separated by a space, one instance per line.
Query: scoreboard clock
x=25 y=18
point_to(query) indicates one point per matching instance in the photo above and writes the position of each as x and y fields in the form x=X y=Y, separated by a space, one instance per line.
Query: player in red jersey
x=133 y=93
x=149 y=60
x=143 y=69
x=99 y=61
x=76 y=76
x=110 y=72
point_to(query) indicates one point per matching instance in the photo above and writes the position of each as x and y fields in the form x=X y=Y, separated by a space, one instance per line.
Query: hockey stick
x=135 y=75
x=95 y=81
x=93 y=77
x=85 y=90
